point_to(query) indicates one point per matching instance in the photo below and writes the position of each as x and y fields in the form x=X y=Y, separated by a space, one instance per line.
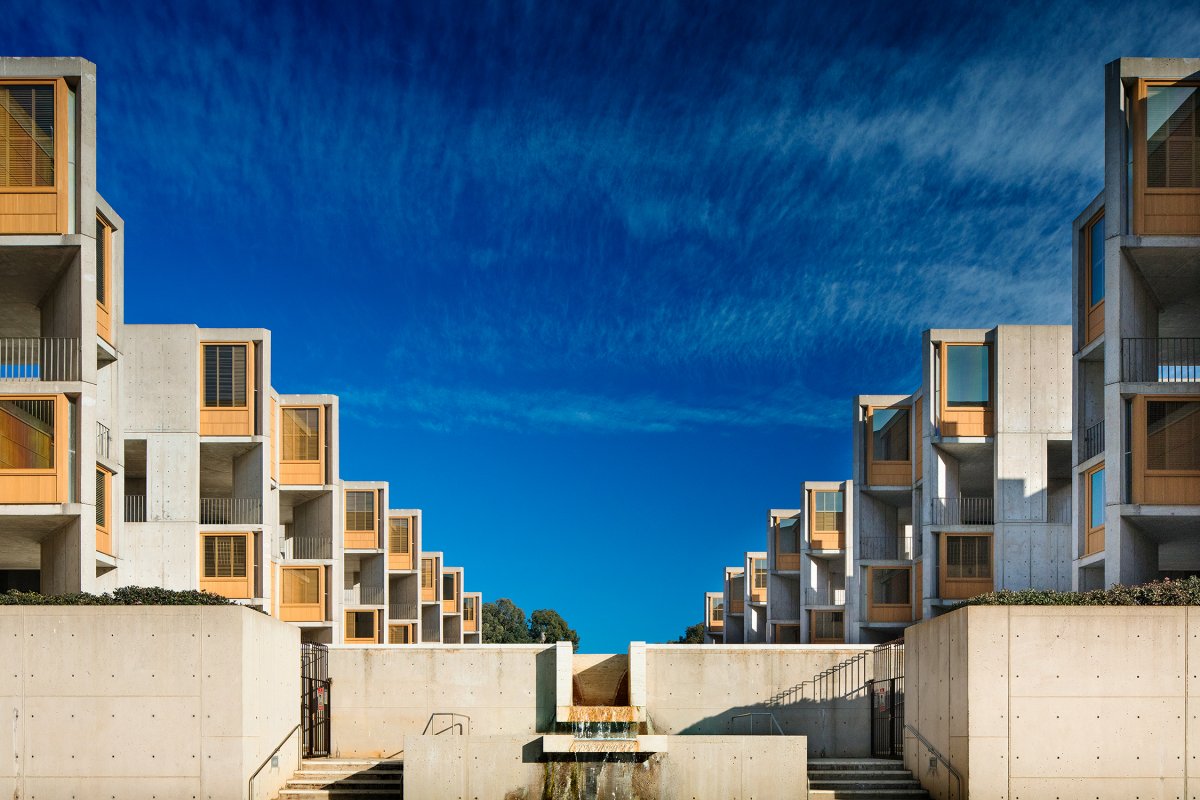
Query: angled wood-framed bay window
x=33 y=156
x=226 y=564
x=362 y=626
x=400 y=542
x=1094 y=512
x=758 y=585
x=302 y=445
x=716 y=613
x=889 y=594
x=34 y=449
x=227 y=389
x=362 y=519
x=787 y=543
x=470 y=618
x=401 y=633
x=1091 y=259
x=966 y=565
x=104 y=521
x=450 y=590
x=889 y=446
x=827 y=526
x=302 y=596
x=1165 y=444
x=104 y=279
x=826 y=627
x=966 y=389
x=428 y=580
x=1166 y=158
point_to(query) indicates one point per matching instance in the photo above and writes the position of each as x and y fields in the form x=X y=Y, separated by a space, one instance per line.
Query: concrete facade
x=162 y=455
x=1136 y=292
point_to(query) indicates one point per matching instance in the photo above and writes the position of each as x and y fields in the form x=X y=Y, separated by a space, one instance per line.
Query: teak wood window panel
x=400 y=542
x=103 y=279
x=450 y=590
x=1094 y=510
x=362 y=519
x=889 y=594
x=826 y=627
x=827 y=525
x=428 y=580
x=302 y=594
x=470 y=620
x=1166 y=157
x=787 y=543
x=302 y=445
x=34 y=169
x=889 y=445
x=400 y=633
x=1092 y=261
x=34 y=442
x=362 y=626
x=104 y=511
x=226 y=564
x=228 y=387
x=1165 y=446
x=969 y=415
x=716 y=613
x=758 y=585
x=966 y=565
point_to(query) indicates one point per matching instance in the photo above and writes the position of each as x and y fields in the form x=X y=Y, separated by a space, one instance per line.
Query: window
x=301 y=434
x=448 y=584
x=787 y=536
x=828 y=625
x=398 y=535
x=889 y=434
x=27 y=434
x=301 y=586
x=1096 y=498
x=760 y=573
x=827 y=511
x=360 y=511
x=426 y=573
x=225 y=375
x=101 y=498
x=468 y=609
x=102 y=266
x=968 y=375
x=890 y=586
x=26 y=135
x=225 y=556
x=360 y=626
x=969 y=557
x=1094 y=260
x=399 y=634
x=1172 y=136
x=1173 y=435
x=718 y=611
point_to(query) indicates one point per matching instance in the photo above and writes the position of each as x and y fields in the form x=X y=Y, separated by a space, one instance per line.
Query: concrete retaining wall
x=145 y=701
x=1031 y=702
x=513 y=768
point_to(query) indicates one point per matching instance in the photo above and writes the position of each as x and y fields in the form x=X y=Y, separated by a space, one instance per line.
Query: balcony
x=403 y=609
x=825 y=596
x=24 y=358
x=230 y=511
x=1172 y=360
x=103 y=441
x=963 y=511
x=362 y=596
x=135 y=508
x=886 y=548
x=308 y=547
x=1093 y=441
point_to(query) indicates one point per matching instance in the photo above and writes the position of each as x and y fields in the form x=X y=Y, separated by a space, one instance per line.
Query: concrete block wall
x=143 y=702
x=1032 y=702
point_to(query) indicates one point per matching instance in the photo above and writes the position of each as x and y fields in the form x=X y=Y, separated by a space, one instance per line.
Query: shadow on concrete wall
x=546 y=690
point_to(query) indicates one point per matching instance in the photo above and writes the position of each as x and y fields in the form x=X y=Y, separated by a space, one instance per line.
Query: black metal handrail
x=1093 y=440
x=299 y=759
x=963 y=511
x=1160 y=360
x=933 y=751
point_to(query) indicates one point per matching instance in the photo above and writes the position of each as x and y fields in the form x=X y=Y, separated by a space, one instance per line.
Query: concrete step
x=340 y=794
x=832 y=764
x=370 y=774
x=868 y=794
x=351 y=764
x=344 y=783
x=847 y=782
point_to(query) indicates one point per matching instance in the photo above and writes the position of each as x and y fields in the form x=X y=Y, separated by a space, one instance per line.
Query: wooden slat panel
x=302 y=473
x=28 y=203
x=890 y=473
x=28 y=223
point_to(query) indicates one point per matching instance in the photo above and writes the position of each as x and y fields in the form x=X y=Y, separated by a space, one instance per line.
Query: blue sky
x=597 y=281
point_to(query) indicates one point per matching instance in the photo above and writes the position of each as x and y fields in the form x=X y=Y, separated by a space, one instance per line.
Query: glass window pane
x=890 y=586
x=889 y=434
x=788 y=536
x=1096 y=507
x=967 y=375
x=1173 y=435
x=1171 y=150
x=1096 y=254
x=26 y=434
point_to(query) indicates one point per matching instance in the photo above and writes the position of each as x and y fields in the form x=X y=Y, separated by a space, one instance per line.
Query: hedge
x=125 y=596
x=1167 y=592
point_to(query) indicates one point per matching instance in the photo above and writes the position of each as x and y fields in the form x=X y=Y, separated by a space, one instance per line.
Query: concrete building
x=162 y=455
x=1136 y=289
x=963 y=487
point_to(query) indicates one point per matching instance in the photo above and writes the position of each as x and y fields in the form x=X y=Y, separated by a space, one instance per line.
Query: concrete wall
x=143 y=702
x=514 y=768
x=1031 y=702
x=698 y=689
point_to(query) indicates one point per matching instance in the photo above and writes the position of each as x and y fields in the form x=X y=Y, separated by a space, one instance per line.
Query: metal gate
x=887 y=700
x=314 y=698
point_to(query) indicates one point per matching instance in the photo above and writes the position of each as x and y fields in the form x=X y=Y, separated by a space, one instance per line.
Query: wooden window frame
x=104 y=275
x=248 y=378
x=812 y=627
x=1092 y=531
x=399 y=559
x=889 y=464
x=1158 y=486
x=787 y=562
x=1091 y=310
x=944 y=400
x=319 y=434
x=297 y=471
x=303 y=612
x=348 y=627
x=355 y=538
x=964 y=588
x=429 y=593
x=62 y=168
x=230 y=420
x=818 y=537
x=407 y=627
x=20 y=485
x=1140 y=188
x=450 y=604
x=104 y=531
x=894 y=608
x=235 y=587
x=711 y=613
x=1143 y=433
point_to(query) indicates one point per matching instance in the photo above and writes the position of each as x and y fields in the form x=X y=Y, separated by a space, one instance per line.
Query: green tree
x=504 y=623
x=547 y=625
x=693 y=635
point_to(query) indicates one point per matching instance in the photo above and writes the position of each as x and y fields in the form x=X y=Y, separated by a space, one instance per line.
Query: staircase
x=346 y=779
x=862 y=779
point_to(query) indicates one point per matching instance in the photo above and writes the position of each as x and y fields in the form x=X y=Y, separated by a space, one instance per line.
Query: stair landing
x=862 y=779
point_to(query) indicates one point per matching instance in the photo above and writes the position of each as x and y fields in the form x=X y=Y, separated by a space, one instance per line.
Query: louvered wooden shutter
x=398 y=535
x=426 y=573
x=1171 y=147
x=1173 y=435
x=101 y=266
x=398 y=634
x=301 y=434
x=26 y=135
x=101 y=499
x=360 y=511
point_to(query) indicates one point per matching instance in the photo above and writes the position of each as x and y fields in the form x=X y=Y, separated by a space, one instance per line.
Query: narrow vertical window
x=760 y=573
x=102 y=279
x=426 y=573
x=398 y=535
x=1096 y=499
x=1095 y=261
x=101 y=498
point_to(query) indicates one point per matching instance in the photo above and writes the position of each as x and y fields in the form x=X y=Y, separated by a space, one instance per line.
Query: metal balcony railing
x=308 y=547
x=1170 y=360
x=363 y=596
x=103 y=441
x=28 y=358
x=1093 y=441
x=230 y=511
x=885 y=547
x=963 y=511
x=402 y=610
x=135 y=508
x=824 y=596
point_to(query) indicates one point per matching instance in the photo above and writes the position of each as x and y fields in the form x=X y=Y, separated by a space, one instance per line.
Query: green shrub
x=125 y=596
x=1183 y=592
